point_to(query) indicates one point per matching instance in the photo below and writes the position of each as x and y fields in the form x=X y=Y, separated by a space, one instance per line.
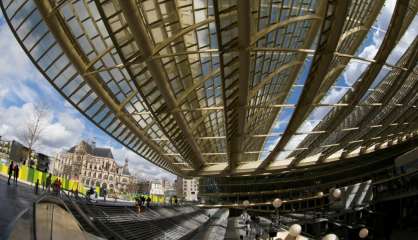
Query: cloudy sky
x=22 y=88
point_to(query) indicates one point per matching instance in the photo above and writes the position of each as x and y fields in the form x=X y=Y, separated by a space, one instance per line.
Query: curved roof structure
x=230 y=87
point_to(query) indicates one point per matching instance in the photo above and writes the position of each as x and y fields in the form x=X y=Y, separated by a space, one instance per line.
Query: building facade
x=17 y=152
x=187 y=189
x=94 y=167
x=157 y=187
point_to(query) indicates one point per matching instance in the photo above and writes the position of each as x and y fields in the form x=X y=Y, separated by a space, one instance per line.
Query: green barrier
x=31 y=175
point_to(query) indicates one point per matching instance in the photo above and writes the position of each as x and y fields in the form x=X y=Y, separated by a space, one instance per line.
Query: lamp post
x=246 y=203
x=295 y=230
x=277 y=203
x=363 y=233
x=336 y=193
x=330 y=236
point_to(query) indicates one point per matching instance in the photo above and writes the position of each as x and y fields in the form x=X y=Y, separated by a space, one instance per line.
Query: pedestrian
x=59 y=187
x=36 y=186
x=76 y=192
x=148 y=201
x=104 y=193
x=139 y=200
x=48 y=182
x=142 y=200
x=16 y=173
x=10 y=172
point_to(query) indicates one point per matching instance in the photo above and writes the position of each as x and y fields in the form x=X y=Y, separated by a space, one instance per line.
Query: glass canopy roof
x=202 y=87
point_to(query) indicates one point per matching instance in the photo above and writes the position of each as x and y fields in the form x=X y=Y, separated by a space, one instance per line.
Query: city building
x=187 y=189
x=157 y=187
x=94 y=167
x=17 y=152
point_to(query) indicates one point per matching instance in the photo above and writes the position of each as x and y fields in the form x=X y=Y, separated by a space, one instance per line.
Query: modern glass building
x=290 y=95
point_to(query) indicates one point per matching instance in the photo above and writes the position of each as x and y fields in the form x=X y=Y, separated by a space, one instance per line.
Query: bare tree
x=33 y=128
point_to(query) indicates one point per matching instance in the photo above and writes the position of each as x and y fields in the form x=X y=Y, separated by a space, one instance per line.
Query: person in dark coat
x=148 y=201
x=142 y=200
x=10 y=172
x=16 y=173
x=48 y=182
x=36 y=186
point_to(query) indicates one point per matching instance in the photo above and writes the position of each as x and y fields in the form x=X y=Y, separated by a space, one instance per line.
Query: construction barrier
x=30 y=175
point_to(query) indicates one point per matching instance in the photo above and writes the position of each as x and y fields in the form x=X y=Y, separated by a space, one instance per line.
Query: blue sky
x=22 y=87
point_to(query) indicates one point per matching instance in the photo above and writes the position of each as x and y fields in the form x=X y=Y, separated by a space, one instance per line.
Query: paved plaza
x=13 y=199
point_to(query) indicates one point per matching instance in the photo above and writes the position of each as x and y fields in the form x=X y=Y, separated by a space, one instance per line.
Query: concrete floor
x=13 y=200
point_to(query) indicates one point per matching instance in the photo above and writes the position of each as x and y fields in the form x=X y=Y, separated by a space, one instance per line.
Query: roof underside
x=229 y=87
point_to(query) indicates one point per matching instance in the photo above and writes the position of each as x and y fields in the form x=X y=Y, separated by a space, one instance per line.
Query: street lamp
x=246 y=204
x=295 y=230
x=330 y=236
x=336 y=193
x=277 y=203
x=363 y=233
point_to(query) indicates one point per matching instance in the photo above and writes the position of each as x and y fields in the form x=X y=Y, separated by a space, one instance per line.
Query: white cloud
x=59 y=130
x=406 y=41
x=16 y=70
x=138 y=166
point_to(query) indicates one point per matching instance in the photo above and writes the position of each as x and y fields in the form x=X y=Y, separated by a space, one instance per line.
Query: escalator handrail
x=84 y=216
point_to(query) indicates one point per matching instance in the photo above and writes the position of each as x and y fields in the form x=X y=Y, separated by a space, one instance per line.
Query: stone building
x=187 y=189
x=94 y=167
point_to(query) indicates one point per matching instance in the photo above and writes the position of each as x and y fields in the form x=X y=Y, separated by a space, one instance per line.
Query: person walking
x=10 y=172
x=48 y=182
x=36 y=186
x=142 y=200
x=16 y=173
x=59 y=187
x=148 y=201
x=104 y=193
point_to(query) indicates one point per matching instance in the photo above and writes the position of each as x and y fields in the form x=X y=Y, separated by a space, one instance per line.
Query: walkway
x=13 y=199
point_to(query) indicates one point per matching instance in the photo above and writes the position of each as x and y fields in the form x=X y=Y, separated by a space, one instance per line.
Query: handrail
x=83 y=215
x=49 y=198
x=269 y=192
x=114 y=234
x=304 y=178
x=396 y=177
x=11 y=225
x=412 y=173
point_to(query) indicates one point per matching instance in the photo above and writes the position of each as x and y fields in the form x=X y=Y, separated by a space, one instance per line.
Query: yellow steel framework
x=198 y=87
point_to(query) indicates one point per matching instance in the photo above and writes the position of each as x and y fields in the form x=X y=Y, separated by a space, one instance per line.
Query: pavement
x=13 y=200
